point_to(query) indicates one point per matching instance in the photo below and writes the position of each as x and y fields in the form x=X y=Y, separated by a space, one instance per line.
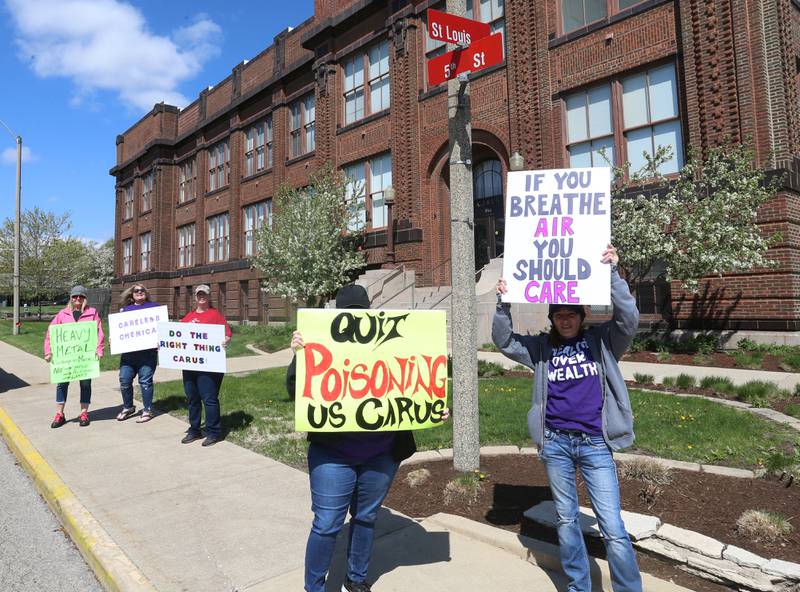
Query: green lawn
x=258 y=415
x=31 y=339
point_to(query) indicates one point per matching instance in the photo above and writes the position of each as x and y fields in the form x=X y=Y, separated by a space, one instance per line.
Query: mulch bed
x=717 y=360
x=705 y=503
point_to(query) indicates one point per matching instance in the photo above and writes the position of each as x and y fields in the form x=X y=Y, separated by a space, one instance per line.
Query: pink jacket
x=65 y=316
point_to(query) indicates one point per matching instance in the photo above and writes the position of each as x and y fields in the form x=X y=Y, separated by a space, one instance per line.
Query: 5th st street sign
x=455 y=29
x=481 y=54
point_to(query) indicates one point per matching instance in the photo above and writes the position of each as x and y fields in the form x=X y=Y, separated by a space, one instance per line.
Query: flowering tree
x=703 y=223
x=309 y=253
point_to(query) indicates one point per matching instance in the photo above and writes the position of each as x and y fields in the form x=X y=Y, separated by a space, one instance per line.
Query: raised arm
x=509 y=343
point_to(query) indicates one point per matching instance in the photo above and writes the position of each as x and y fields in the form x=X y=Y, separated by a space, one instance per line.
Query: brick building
x=349 y=86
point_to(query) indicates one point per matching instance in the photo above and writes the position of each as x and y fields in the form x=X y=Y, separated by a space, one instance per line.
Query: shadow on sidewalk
x=399 y=542
x=9 y=382
x=233 y=421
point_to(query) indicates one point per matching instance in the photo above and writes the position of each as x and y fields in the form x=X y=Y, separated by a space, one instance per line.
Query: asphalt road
x=35 y=554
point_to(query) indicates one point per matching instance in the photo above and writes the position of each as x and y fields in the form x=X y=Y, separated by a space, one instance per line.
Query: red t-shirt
x=211 y=317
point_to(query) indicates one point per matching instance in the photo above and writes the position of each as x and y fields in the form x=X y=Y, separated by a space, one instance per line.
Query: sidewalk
x=151 y=513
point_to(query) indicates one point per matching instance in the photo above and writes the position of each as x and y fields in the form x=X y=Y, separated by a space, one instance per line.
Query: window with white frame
x=127 y=201
x=647 y=118
x=488 y=11
x=144 y=251
x=579 y=13
x=219 y=156
x=148 y=183
x=218 y=238
x=258 y=150
x=358 y=100
x=255 y=216
x=302 y=125
x=127 y=256
x=186 y=245
x=187 y=180
x=366 y=183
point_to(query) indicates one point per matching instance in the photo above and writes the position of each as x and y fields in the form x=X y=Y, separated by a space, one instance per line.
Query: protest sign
x=135 y=330
x=558 y=223
x=74 y=349
x=191 y=346
x=370 y=370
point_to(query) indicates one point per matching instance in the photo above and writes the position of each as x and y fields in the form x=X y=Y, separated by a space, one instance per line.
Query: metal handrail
x=382 y=280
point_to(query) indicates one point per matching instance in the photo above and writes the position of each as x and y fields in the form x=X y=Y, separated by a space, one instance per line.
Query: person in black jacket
x=348 y=471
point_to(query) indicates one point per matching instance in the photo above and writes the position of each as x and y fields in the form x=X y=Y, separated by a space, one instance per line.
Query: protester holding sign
x=141 y=362
x=77 y=310
x=580 y=413
x=347 y=471
x=203 y=386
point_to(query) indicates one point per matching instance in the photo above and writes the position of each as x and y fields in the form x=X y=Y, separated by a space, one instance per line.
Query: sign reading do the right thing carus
x=558 y=223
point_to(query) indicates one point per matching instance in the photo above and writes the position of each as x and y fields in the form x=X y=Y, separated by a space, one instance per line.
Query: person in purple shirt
x=141 y=362
x=580 y=413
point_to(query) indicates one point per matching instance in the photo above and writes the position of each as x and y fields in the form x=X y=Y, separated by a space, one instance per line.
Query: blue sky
x=78 y=72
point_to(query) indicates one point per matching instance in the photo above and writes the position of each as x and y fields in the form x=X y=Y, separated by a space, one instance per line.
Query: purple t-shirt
x=574 y=395
x=145 y=304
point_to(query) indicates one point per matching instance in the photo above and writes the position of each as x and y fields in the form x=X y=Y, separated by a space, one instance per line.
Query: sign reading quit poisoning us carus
x=558 y=223
x=370 y=370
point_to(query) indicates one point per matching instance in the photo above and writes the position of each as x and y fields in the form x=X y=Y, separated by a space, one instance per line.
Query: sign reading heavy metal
x=481 y=54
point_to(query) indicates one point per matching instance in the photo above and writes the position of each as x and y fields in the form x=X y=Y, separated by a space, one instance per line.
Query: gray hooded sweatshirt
x=608 y=342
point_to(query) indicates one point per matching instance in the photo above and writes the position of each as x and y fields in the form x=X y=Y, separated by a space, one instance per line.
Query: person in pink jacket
x=76 y=310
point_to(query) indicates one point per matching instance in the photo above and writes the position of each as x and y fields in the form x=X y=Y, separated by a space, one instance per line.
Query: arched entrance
x=487 y=194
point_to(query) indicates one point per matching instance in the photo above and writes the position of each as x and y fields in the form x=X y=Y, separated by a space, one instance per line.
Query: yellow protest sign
x=370 y=370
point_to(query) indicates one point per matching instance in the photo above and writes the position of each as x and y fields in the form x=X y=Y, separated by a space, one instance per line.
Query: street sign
x=482 y=54
x=455 y=29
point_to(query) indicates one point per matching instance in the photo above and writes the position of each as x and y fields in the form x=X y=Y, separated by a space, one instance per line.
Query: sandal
x=146 y=416
x=125 y=413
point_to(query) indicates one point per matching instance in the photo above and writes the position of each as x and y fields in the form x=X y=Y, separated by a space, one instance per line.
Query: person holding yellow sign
x=580 y=413
x=347 y=471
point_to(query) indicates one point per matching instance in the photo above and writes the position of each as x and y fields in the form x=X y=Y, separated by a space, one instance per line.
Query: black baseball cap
x=352 y=296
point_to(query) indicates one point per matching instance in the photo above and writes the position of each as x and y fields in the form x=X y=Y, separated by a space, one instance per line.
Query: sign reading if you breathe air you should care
x=370 y=370
x=558 y=223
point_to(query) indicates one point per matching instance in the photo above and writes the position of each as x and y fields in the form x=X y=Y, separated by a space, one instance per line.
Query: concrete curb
x=115 y=571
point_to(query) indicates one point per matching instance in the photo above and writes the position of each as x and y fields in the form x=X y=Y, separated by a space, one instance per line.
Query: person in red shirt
x=204 y=386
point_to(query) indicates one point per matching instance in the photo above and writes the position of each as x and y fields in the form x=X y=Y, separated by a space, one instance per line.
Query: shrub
x=463 y=489
x=643 y=378
x=763 y=526
x=759 y=392
x=490 y=369
x=646 y=470
x=685 y=381
x=491 y=347
x=720 y=384
x=792 y=409
x=747 y=344
x=418 y=477
x=668 y=381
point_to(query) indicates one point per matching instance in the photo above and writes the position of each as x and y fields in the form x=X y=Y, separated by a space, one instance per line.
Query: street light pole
x=17 y=229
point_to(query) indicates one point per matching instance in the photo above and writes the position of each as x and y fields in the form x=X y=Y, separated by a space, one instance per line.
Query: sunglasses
x=201 y=295
x=139 y=291
x=78 y=297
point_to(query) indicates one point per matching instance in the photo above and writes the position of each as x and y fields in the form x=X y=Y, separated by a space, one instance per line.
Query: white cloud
x=105 y=45
x=9 y=155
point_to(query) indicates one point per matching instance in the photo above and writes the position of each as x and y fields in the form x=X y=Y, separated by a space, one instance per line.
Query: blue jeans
x=86 y=392
x=203 y=388
x=142 y=363
x=336 y=486
x=562 y=453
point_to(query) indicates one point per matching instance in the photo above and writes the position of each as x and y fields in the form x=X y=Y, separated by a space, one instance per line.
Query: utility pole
x=466 y=442
x=17 y=231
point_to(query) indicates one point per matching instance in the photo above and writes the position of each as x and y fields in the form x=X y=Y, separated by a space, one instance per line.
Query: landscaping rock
x=421 y=457
x=692 y=541
x=727 y=471
x=784 y=569
x=663 y=548
x=639 y=526
x=679 y=464
x=497 y=450
x=529 y=451
x=728 y=570
x=626 y=457
x=742 y=557
x=446 y=453
x=774 y=415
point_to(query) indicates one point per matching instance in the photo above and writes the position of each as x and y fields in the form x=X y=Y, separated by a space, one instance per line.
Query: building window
x=186 y=246
x=148 y=182
x=488 y=11
x=127 y=256
x=366 y=182
x=258 y=153
x=218 y=238
x=579 y=13
x=302 y=121
x=647 y=118
x=358 y=101
x=144 y=251
x=255 y=216
x=218 y=165
x=187 y=180
x=127 y=202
